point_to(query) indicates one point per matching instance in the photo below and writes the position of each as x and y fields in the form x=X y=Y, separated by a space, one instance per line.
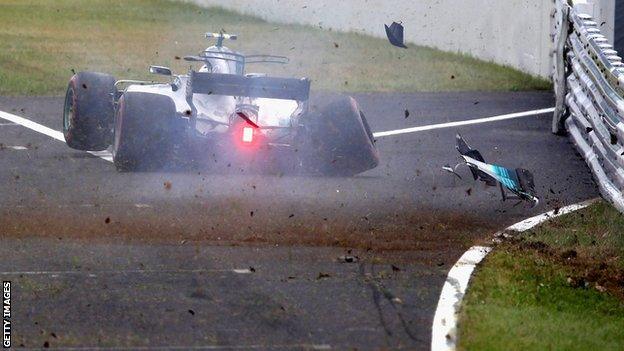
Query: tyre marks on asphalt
x=200 y=347
x=93 y=274
x=231 y=308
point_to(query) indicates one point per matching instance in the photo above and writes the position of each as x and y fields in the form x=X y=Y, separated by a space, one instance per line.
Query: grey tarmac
x=230 y=258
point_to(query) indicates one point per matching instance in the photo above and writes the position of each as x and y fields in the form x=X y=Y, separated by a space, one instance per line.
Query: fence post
x=562 y=26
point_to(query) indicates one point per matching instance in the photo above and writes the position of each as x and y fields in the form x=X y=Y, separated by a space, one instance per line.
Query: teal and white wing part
x=505 y=176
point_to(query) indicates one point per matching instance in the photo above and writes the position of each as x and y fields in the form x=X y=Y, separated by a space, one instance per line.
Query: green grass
x=532 y=294
x=42 y=41
x=595 y=233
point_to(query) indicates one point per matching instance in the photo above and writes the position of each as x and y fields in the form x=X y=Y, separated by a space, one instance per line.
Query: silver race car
x=217 y=109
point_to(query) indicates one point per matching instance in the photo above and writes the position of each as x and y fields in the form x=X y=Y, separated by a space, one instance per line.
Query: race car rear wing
x=257 y=87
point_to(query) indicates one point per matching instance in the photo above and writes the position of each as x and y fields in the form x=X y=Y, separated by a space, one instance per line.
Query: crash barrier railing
x=588 y=78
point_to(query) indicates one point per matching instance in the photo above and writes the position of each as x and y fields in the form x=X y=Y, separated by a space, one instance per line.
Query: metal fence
x=589 y=87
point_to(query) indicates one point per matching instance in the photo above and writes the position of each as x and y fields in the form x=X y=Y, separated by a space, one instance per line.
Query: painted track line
x=465 y=122
x=444 y=329
x=106 y=155
x=54 y=134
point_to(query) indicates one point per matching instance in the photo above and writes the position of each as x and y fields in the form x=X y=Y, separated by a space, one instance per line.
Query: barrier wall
x=589 y=86
x=509 y=32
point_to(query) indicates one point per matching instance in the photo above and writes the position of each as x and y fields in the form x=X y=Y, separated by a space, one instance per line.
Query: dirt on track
x=228 y=224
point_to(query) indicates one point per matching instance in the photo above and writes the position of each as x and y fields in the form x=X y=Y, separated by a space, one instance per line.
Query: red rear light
x=248 y=134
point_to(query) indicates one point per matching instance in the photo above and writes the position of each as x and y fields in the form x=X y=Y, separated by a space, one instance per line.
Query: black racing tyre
x=338 y=140
x=145 y=131
x=89 y=111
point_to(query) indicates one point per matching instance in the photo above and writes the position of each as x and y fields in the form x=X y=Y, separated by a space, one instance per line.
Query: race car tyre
x=89 y=111
x=338 y=140
x=144 y=131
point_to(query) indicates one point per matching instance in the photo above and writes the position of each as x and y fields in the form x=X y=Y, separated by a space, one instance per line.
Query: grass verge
x=557 y=287
x=41 y=42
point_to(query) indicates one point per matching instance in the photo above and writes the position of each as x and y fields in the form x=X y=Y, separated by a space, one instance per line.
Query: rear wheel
x=145 y=131
x=338 y=140
x=89 y=111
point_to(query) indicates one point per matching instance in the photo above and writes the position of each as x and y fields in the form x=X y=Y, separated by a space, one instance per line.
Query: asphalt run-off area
x=224 y=257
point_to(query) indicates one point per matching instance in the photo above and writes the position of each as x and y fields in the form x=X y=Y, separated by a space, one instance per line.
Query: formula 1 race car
x=220 y=108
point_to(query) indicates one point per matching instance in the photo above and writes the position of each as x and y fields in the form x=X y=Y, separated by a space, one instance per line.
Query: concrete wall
x=510 y=32
x=603 y=12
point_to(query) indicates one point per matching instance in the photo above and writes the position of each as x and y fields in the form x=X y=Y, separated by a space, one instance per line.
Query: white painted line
x=33 y=126
x=130 y=271
x=104 y=155
x=539 y=219
x=17 y=147
x=55 y=134
x=142 y=206
x=444 y=329
x=443 y=334
x=242 y=271
x=8 y=124
x=465 y=122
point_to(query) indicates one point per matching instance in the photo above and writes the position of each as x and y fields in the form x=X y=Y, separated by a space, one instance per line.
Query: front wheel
x=89 y=111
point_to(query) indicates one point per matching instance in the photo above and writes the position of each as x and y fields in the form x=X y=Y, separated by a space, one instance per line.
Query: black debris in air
x=406 y=113
x=395 y=34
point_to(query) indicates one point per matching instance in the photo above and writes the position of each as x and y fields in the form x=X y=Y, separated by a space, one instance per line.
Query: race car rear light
x=248 y=134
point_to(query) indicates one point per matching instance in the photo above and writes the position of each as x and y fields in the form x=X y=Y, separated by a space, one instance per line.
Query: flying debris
x=395 y=34
x=450 y=169
x=519 y=181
